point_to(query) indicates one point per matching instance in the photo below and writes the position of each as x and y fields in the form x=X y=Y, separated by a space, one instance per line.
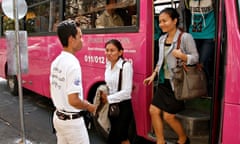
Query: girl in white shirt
x=115 y=61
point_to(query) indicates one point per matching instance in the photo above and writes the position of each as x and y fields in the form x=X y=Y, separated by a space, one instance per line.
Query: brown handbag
x=189 y=81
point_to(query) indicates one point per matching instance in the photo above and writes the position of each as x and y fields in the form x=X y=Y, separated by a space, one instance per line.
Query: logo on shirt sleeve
x=77 y=82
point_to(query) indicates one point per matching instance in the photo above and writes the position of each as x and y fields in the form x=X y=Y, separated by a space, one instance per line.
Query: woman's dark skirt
x=165 y=100
x=120 y=124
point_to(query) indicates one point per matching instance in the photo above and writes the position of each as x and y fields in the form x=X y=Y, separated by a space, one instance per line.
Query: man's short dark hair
x=65 y=29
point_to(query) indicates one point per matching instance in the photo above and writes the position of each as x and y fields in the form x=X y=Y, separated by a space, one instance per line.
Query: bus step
x=195 y=123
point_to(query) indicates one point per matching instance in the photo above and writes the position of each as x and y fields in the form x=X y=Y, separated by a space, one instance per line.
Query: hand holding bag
x=189 y=81
x=114 y=109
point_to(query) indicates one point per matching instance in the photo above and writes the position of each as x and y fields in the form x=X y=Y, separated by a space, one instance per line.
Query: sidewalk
x=9 y=117
x=9 y=134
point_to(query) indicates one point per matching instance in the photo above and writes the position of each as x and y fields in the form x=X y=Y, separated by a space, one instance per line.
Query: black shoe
x=186 y=142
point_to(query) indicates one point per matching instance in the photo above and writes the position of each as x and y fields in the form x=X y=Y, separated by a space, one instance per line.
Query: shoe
x=186 y=142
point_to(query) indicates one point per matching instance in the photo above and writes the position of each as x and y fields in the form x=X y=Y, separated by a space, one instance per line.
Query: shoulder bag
x=189 y=81
x=114 y=109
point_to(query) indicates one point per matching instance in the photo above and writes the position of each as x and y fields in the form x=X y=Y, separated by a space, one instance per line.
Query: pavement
x=10 y=135
x=36 y=119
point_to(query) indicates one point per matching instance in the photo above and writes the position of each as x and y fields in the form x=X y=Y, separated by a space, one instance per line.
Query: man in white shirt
x=66 y=88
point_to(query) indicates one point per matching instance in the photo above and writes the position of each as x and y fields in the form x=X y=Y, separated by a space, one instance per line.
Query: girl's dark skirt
x=165 y=100
x=120 y=125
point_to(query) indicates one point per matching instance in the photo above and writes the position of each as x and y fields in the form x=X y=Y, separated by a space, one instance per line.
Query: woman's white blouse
x=112 y=78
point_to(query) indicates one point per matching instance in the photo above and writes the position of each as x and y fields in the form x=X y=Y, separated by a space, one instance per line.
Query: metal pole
x=18 y=58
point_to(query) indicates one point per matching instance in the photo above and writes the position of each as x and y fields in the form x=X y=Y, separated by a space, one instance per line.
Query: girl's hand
x=148 y=80
x=104 y=97
x=177 y=53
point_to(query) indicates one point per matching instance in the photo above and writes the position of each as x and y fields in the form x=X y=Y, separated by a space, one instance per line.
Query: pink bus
x=210 y=120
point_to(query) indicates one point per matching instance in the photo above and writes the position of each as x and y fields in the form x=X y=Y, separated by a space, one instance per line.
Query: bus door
x=197 y=115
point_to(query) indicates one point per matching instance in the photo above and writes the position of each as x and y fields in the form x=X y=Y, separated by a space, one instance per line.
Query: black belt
x=63 y=116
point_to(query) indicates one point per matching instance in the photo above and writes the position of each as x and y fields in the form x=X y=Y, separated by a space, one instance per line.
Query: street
x=37 y=119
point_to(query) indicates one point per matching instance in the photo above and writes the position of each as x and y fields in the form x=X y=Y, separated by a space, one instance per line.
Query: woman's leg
x=176 y=126
x=113 y=137
x=206 y=53
x=206 y=58
x=157 y=123
x=123 y=122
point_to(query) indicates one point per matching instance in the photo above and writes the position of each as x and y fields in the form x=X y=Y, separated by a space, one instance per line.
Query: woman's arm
x=150 y=79
x=190 y=49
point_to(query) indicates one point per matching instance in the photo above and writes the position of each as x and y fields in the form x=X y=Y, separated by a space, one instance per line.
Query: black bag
x=114 y=109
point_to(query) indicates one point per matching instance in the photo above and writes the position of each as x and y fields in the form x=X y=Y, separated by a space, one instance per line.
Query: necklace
x=168 y=40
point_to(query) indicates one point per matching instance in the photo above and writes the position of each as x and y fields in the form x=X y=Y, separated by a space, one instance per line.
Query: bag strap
x=120 y=77
x=179 y=40
x=178 y=47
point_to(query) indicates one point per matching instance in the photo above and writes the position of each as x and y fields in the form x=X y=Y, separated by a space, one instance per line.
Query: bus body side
x=3 y=57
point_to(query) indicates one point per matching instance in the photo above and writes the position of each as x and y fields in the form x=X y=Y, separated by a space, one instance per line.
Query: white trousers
x=70 y=131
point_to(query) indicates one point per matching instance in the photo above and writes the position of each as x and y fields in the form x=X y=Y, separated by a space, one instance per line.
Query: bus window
x=97 y=14
x=42 y=16
x=8 y=24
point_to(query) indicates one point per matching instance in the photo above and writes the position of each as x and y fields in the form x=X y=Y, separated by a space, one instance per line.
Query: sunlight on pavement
x=2 y=79
x=19 y=141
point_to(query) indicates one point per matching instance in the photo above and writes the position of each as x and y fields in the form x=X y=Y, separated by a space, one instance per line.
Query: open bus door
x=197 y=118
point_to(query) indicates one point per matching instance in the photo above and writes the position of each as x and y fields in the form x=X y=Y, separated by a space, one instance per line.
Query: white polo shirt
x=65 y=79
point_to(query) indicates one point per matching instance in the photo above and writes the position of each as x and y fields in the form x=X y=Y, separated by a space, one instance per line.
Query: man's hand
x=91 y=107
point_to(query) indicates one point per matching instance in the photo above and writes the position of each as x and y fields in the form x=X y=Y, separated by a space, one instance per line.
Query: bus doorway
x=197 y=116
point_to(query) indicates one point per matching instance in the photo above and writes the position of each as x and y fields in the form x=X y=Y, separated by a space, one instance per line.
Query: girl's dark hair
x=172 y=13
x=65 y=29
x=116 y=43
